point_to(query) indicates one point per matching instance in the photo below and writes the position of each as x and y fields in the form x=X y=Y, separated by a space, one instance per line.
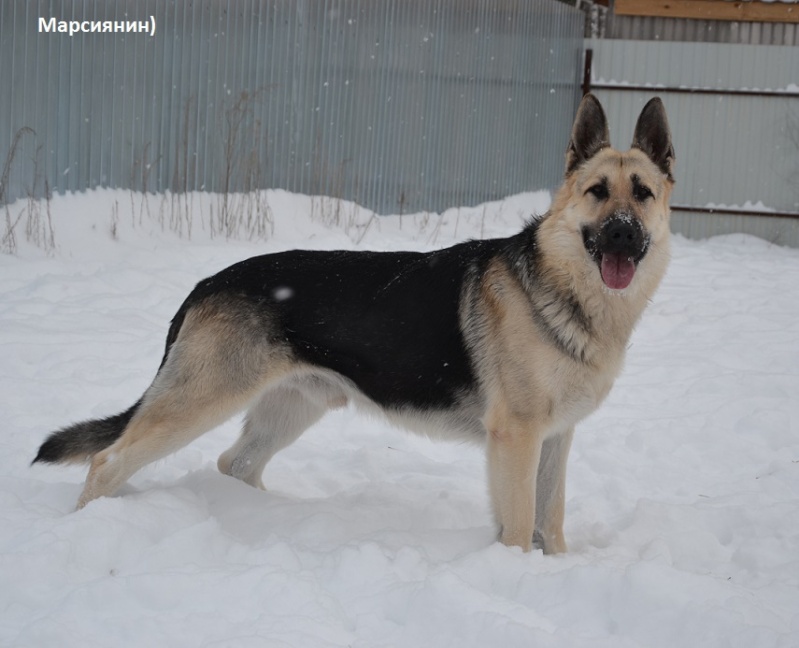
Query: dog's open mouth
x=617 y=270
x=617 y=247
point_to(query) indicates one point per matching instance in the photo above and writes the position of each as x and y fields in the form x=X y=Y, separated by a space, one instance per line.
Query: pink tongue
x=617 y=271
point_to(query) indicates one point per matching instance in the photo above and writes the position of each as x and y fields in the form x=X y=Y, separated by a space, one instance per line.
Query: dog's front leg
x=514 y=449
x=551 y=493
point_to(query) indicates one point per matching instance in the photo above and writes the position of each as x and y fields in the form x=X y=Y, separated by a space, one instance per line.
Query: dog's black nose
x=622 y=234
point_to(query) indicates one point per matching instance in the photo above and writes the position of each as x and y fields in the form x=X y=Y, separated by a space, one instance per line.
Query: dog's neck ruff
x=561 y=317
x=557 y=312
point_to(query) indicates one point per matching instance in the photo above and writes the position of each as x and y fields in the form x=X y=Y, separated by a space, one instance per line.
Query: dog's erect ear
x=653 y=137
x=589 y=134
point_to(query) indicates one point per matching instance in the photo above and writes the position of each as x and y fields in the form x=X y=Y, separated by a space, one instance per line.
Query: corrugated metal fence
x=652 y=28
x=734 y=114
x=398 y=104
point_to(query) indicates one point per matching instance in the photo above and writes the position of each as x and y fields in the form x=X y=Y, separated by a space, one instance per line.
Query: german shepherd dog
x=508 y=341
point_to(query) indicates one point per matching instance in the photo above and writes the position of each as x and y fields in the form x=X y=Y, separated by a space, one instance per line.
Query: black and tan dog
x=509 y=342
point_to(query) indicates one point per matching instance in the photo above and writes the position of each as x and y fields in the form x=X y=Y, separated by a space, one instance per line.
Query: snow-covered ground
x=683 y=489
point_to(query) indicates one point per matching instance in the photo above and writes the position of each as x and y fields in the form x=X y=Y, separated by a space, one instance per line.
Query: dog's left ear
x=653 y=137
x=590 y=133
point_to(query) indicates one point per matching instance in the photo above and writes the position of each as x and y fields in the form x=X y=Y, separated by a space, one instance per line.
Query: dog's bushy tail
x=81 y=441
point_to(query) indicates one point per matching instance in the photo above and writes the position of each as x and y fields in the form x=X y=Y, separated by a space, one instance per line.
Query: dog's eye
x=599 y=191
x=641 y=192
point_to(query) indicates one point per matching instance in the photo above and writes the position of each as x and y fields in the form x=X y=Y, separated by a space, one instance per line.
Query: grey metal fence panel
x=397 y=104
x=738 y=151
x=707 y=31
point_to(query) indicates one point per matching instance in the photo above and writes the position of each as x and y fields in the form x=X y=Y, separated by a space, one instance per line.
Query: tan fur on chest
x=531 y=376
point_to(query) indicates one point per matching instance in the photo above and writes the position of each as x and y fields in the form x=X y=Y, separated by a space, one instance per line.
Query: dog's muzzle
x=617 y=246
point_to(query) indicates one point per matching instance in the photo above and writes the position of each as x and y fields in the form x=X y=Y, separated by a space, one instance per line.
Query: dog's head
x=617 y=203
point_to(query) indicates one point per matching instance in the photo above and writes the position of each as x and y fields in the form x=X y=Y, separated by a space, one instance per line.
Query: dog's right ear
x=590 y=133
x=653 y=137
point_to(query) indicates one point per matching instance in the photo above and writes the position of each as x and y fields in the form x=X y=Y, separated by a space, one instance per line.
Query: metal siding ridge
x=734 y=211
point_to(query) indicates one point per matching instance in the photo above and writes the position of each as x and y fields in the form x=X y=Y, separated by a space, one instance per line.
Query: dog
x=508 y=342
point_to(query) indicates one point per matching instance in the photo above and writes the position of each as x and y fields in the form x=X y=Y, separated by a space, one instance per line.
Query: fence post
x=588 y=62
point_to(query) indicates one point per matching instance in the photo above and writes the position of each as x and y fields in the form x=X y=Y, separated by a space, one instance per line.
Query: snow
x=682 y=498
x=757 y=206
x=790 y=88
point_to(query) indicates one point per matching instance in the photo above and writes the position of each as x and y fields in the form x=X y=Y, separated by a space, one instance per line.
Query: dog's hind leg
x=219 y=364
x=274 y=422
x=159 y=428
x=551 y=493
